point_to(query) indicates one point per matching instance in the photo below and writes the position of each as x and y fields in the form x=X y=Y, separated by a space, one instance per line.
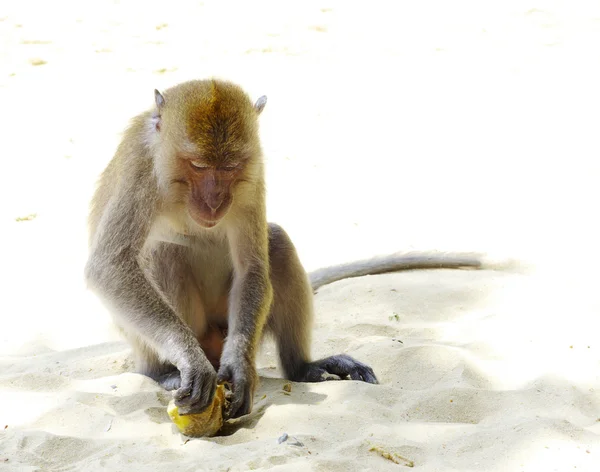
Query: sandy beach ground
x=390 y=126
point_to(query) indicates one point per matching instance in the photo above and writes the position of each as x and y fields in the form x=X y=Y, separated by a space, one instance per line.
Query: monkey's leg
x=170 y=271
x=290 y=320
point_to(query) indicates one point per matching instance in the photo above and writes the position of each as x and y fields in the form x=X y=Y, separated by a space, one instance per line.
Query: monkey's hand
x=241 y=374
x=198 y=383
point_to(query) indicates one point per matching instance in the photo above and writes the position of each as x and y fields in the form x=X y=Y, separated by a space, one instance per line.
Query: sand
x=452 y=126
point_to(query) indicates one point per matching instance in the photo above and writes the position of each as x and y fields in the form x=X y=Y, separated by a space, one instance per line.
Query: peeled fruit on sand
x=206 y=423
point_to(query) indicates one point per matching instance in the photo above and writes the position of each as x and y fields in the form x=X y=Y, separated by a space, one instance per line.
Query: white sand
x=431 y=125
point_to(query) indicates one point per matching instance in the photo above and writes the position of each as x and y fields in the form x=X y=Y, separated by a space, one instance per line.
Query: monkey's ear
x=159 y=99
x=260 y=104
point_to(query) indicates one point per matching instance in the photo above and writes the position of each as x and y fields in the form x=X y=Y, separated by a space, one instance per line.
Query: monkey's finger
x=208 y=389
x=202 y=398
x=355 y=375
x=224 y=375
x=240 y=390
x=237 y=398
x=236 y=393
x=183 y=396
x=183 y=393
x=242 y=402
x=363 y=376
x=369 y=376
x=196 y=396
x=228 y=391
x=328 y=376
x=365 y=372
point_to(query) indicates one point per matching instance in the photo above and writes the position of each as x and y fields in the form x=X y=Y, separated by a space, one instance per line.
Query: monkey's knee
x=274 y=228
x=278 y=239
x=282 y=256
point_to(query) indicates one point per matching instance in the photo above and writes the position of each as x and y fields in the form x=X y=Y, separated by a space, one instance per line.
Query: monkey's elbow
x=96 y=275
x=91 y=274
x=105 y=274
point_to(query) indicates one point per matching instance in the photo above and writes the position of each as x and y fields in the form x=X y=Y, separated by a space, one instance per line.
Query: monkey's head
x=205 y=136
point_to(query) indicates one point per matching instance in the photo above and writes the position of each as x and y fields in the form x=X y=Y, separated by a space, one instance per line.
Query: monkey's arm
x=249 y=304
x=113 y=270
x=393 y=263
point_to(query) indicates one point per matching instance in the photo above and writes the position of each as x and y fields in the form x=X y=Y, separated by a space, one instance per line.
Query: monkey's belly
x=212 y=344
x=214 y=337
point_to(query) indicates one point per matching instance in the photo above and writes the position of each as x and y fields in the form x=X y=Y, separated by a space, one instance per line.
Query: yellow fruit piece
x=206 y=423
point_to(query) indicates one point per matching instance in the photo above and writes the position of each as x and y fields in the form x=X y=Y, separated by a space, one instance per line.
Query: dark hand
x=198 y=384
x=241 y=375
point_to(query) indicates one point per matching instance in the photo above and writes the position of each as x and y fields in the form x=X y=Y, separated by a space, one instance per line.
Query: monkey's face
x=210 y=191
x=212 y=176
x=216 y=153
x=207 y=135
x=212 y=173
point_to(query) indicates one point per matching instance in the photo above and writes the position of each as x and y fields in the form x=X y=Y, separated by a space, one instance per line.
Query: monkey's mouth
x=208 y=224
x=206 y=217
x=206 y=220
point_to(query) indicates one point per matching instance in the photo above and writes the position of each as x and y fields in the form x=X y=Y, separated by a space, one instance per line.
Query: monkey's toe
x=327 y=376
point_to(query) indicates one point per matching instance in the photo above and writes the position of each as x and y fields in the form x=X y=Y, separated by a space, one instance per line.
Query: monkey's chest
x=212 y=268
x=206 y=255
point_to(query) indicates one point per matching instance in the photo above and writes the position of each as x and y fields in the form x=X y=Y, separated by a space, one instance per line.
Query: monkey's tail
x=395 y=262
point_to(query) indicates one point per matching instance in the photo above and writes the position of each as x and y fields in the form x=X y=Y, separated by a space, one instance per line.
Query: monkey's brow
x=192 y=156
x=217 y=158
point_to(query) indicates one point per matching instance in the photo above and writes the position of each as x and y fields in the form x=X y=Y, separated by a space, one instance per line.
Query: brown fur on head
x=205 y=133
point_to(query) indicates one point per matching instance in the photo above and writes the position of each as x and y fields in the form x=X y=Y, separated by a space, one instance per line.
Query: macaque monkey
x=182 y=255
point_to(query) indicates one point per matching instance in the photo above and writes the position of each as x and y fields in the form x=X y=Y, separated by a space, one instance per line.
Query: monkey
x=182 y=255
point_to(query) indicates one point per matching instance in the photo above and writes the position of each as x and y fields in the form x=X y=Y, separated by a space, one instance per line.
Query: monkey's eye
x=198 y=165
x=229 y=168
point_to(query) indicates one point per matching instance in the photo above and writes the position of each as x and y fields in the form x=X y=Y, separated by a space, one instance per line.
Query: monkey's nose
x=214 y=202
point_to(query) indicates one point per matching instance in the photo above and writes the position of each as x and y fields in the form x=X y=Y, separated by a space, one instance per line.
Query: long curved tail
x=393 y=263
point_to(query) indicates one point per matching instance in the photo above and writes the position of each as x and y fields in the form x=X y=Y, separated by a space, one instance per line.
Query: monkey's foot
x=336 y=368
x=170 y=381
